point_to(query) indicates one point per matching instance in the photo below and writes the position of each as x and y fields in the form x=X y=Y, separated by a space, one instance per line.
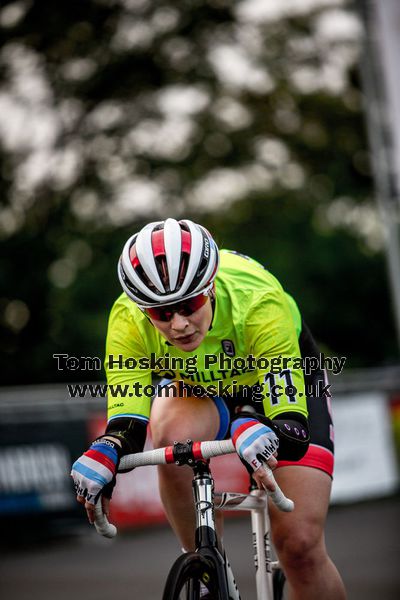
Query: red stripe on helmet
x=157 y=243
x=186 y=242
x=134 y=257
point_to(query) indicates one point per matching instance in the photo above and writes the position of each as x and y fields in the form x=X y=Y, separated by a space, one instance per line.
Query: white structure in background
x=365 y=461
x=381 y=82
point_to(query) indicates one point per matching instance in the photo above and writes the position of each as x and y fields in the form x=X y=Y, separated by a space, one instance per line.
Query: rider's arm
x=130 y=433
x=128 y=410
x=128 y=383
x=128 y=406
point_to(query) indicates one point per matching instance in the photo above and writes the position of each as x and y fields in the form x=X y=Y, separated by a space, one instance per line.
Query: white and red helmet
x=168 y=261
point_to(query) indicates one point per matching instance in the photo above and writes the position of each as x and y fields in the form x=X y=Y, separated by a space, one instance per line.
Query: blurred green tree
x=240 y=115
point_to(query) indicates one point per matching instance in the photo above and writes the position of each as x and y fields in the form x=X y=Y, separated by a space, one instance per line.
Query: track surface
x=363 y=540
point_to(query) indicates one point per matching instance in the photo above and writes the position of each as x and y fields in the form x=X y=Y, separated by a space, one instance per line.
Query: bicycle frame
x=206 y=500
x=196 y=455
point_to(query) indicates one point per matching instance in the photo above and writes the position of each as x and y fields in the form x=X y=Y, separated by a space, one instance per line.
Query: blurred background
x=274 y=124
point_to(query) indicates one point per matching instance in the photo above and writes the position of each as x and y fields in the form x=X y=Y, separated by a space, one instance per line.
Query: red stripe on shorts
x=316 y=456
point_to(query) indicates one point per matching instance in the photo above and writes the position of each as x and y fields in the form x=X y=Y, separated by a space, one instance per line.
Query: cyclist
x=183 y=298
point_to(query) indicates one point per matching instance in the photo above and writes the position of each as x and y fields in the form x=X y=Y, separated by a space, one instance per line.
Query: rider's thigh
x=181 y=418
x=301 y=532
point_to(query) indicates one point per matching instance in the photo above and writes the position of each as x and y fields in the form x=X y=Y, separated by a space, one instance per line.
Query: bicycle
x=208 y=568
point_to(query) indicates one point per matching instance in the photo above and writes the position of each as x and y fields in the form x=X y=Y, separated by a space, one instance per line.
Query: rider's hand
x=94 y=472
x=256 y=444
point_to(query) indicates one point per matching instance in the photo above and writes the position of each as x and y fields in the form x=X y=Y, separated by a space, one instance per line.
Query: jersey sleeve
x=127 y=381
x=271 y=337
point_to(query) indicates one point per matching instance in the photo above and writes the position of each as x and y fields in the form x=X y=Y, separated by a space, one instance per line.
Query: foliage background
x=245 y=116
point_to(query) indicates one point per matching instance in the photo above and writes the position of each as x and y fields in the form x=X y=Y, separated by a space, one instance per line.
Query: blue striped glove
x=95 y=469
x=254 y=442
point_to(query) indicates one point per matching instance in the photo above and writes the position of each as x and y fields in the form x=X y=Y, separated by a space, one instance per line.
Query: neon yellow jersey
x=253 y=339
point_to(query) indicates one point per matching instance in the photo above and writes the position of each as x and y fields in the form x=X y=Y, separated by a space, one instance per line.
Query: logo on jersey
x=228 y=347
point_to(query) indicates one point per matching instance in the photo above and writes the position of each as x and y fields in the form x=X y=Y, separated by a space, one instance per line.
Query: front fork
x=206 y=535
x=263 y=561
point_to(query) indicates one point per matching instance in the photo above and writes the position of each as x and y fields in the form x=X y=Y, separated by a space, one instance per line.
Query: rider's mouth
x=184 y=338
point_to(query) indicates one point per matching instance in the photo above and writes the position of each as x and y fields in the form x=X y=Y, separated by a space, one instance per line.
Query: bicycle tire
x=185 y=576
x=278 y=580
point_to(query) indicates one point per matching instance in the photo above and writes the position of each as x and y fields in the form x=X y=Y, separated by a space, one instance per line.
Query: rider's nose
x=179 y=322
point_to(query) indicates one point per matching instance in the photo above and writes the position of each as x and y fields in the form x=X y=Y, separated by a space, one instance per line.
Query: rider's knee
x=181 y=418
x=164 y=431
x=301 y=549
x=164 y=424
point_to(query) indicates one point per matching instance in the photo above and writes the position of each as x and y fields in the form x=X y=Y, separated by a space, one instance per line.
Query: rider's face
x=186 y=333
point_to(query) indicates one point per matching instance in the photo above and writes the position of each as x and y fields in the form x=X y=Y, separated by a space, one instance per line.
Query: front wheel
x=189 y=574
x=279 y=584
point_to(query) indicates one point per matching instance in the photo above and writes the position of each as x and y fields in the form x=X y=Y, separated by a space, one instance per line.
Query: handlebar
x=168 y=455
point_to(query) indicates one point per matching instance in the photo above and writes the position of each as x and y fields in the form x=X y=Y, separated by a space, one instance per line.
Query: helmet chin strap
x=213 y=301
